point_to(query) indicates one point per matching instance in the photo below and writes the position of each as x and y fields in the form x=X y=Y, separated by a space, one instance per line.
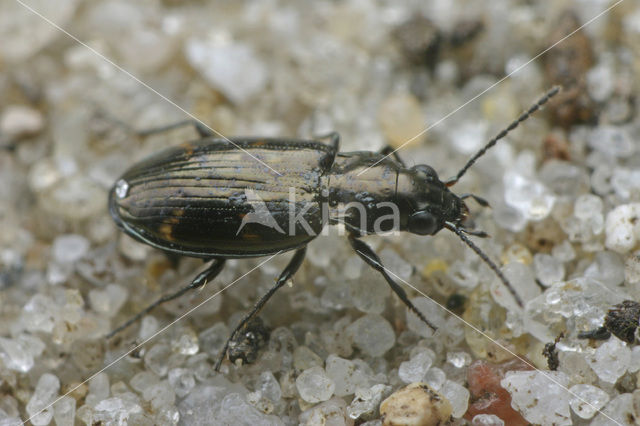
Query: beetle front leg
x=388 y=150
x=288 y=272
x=201 y=279
x=367 y=254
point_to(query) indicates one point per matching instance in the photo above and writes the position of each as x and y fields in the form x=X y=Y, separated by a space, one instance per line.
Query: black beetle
x=209 y=199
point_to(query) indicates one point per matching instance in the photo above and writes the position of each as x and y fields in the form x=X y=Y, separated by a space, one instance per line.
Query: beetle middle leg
x=201 y=279
x=367 y=254
x=288 y=272
x=389 y=150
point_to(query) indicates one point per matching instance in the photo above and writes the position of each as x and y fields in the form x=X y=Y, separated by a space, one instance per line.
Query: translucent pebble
x=235 y=410
x=330 y=413
x=548 y=269
x=607 y=269
x=115 y=410
x=314 y=385
x=44 y=394
x=64 y=411
x=600 y=82
x=468 y=136
x=69 y=248
x=587 y=400
x=396 y=263
x=159 y=395
x=431 y=310
x=369 y=294
x=564 y=251
x=109 y=300
x=366 y=401
x=614 y=141
x=486 y=420
x=346 y=375
x=99 y=387
x=304 y=358
x=416 y=368
x=186 y=343
x=530 y=197
x=540 y=396
x=18 y=354
x=232 y=68
x=372 y=334
x=401 y=118
x=182 y=380
x=617 y=412
x=622 y=227
x=458 y=397
x=435 y=378
x=634 y=363
x=213 y=338
x=39 y=314
x=143 y=380
x=20 y=120
x=148 y=326
x=611 y=360
x=269 y=386
x=156 y=358
x=625 y=182
x=522 y=279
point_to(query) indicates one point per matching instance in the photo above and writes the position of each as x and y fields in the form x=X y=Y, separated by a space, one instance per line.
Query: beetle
x=207 y=199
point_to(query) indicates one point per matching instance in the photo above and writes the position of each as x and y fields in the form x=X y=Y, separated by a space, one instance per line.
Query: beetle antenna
x=460 y=233
x=543 y=100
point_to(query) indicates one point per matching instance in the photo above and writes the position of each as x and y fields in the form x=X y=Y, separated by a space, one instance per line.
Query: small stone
x=486 y=420
x=634 y=363
x=607 y=268
x=563 y=252
x=548 y=269
x=619 y=411
x=143 y=380
x=330 y=413
x=18 y=354
x=416 y=368
x=529 y=197
x=159 y=395
x=540 y=396
x=44 y=394
x=148 y=326
x=611 y=360
x=109 y=300
x=346 y=375
x=314 y=385
x=182 y=380
x=435 y=378
x=20 y=120
x=458 y=397
x=614 y=141
x=156 y=358
x=459 y=359
x=39 y=314
x=415 y=405
x=115 y=410
x=372 y=334
x=231 y=67
x=304 y=358
x=401 y=119
x=69 y=248
x=64 y=411
x=366 y=401
x=98 y=389
x=212 y=339
x=622 y=227
x=587 y=400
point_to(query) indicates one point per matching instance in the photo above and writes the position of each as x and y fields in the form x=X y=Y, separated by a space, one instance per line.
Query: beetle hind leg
x=367 y=254
x=244 y=328
x=200 y=280
x=389 y=150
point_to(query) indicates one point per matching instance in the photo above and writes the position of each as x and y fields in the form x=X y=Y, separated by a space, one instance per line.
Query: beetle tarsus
x=199 y=281
x=288 y=272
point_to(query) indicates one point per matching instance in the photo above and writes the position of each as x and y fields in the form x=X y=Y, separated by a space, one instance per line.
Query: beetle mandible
x=194 y=200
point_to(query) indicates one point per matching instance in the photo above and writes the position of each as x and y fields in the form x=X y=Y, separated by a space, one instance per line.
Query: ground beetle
x=208 y=199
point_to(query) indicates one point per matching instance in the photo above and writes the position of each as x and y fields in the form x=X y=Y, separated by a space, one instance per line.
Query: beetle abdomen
x=210 y=199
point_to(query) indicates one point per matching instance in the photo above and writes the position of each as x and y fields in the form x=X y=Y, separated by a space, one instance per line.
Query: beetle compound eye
x=428 y=171
x=423 y=223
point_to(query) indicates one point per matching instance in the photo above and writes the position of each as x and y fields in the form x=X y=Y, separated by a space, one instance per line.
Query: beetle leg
x=388 y=150
x=200 y=280
x=367 y=254
x=479 y=200
x=202 y=129
x=288 y=272
x=333 y=136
